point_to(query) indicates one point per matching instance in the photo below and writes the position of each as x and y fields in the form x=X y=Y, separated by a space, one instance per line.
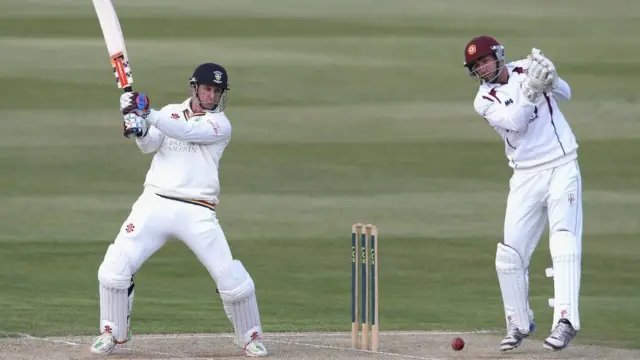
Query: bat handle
x=126 y=133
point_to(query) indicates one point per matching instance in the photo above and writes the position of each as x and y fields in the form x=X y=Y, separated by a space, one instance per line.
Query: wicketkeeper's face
x=486 y=67
x=208 y=95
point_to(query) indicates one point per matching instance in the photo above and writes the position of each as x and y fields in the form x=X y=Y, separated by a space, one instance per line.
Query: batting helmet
x=480 y=47
x=215 y=75
x=211 y=74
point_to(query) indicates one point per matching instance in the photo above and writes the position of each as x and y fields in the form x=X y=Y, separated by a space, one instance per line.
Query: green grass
x=342 y=112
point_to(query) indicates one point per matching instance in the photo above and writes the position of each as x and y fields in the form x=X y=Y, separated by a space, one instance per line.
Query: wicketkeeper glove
x=551 y=82
x=534 y=84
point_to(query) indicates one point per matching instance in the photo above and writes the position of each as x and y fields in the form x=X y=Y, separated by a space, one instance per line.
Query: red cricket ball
x=457 y=344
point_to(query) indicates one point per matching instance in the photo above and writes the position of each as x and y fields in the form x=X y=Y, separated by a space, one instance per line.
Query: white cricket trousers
x=154 y=220
x=552 y=196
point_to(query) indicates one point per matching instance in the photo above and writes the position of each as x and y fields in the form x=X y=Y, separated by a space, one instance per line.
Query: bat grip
x=126 y=133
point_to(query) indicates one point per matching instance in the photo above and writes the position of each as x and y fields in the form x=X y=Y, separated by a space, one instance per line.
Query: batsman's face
x=486 y=67
x=209 y=95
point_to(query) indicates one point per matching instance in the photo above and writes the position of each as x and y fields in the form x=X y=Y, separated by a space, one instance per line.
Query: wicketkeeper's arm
x=562 y=91
x=513 y=117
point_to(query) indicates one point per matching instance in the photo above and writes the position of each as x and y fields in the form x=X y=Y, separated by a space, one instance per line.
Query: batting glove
x=134 y=126
x=134 y=102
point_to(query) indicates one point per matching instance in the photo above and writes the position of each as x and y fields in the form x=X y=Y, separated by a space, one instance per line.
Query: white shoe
x=560 y=337
x=103 y=344
x=255 y=348
x=515 y=337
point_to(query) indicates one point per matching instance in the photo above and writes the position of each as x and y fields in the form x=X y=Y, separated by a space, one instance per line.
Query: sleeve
x=511 y=114
x=562 y=92
x=151 y=142
x=208 y=131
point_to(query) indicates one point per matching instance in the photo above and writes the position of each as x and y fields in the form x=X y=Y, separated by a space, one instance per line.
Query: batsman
x=179 y=200
x=521 y=101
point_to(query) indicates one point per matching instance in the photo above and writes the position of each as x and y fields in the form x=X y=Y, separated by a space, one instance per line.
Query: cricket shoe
x=560 y=336
x=255 y=347
x=515 y=337
x=106 y=342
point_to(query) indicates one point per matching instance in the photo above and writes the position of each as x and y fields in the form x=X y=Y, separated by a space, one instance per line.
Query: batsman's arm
x=151 y=142
x=208 y=131
x=513 y=114
x=562 y=90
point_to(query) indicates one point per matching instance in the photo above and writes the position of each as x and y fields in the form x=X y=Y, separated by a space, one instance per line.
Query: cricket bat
x=112 y=33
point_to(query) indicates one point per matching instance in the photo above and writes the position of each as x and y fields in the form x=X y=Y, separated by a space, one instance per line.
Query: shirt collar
x=187 y=111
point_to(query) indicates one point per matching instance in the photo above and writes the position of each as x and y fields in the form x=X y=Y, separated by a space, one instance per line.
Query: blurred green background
x=343 y=111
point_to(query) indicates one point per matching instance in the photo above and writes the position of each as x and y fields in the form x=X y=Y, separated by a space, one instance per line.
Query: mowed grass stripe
x=153 y=53
x=404 y=49
x=440 y=215
x=312 y=169
x=243 y=26
x=389 y=122
x=256 y=67
x=255 y=72
x=361 y=9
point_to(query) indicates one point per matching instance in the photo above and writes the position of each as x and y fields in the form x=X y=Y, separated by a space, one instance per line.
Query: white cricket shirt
x=188 y=149
x=536 y=136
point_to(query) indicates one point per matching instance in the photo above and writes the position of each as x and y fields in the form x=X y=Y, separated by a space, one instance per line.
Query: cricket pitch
x=394 y=345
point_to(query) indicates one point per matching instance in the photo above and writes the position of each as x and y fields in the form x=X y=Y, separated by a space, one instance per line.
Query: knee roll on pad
x=115 y=270
x=508 y=259
x=234 y=283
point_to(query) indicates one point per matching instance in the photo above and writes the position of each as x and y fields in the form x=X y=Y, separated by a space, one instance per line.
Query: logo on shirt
x=175 y=116
x=534 y=116
x=130 y=227
x=179 y=146
x=216 y=126
x=508 y=102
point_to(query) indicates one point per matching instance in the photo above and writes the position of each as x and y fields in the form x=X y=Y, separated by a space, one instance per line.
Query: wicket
x=364 y=240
